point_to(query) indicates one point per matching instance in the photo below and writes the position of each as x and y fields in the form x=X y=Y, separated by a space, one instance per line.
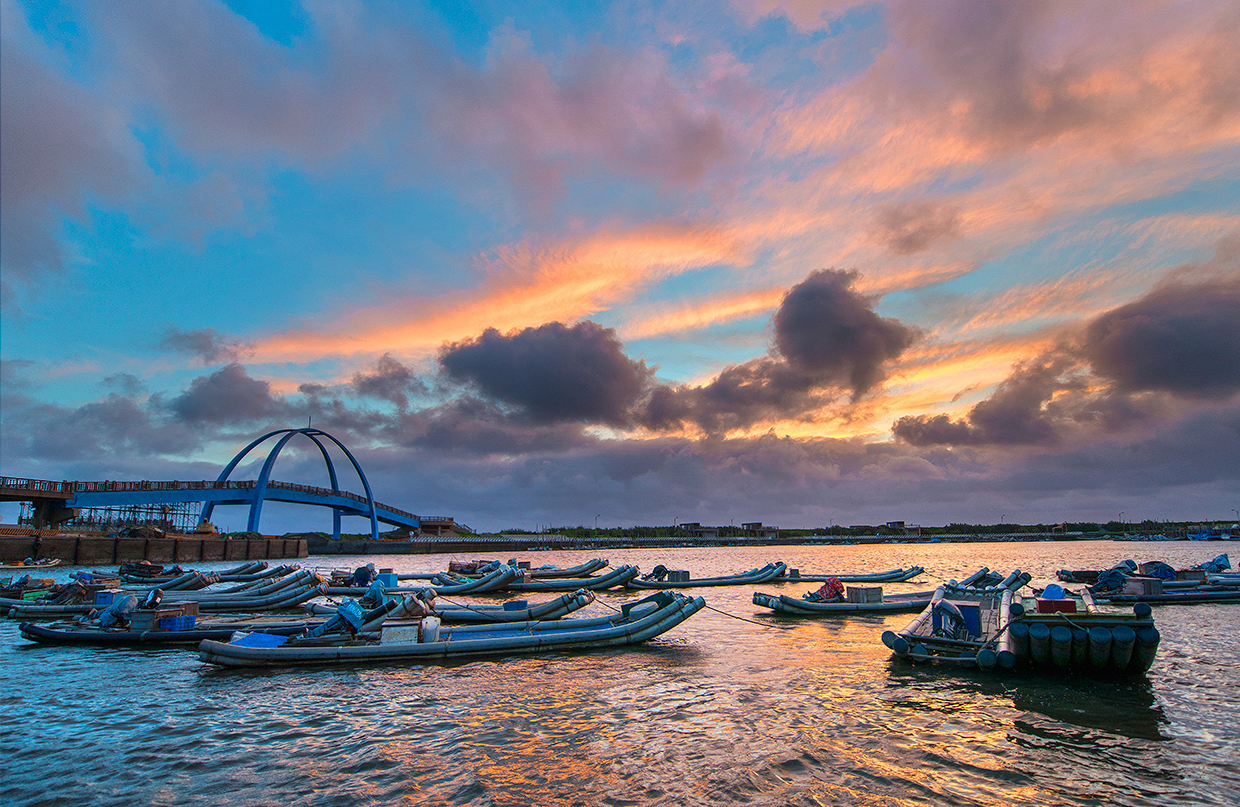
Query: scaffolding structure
x=175 y=517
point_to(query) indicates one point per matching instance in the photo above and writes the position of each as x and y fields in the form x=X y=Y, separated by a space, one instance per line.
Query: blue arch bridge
x=56 y=502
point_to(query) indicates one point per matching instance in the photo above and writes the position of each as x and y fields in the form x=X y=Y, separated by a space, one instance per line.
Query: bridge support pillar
x=50 y=512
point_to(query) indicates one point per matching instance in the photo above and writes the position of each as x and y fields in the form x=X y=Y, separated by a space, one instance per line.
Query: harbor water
x=735 y=707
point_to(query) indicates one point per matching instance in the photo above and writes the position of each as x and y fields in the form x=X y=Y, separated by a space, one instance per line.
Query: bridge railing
x=34 y=485
x=48 y=486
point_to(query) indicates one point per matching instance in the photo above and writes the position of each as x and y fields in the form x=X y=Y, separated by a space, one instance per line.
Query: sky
x=631 y=263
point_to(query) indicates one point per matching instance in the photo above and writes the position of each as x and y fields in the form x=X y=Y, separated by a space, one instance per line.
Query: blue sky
x=784 y=261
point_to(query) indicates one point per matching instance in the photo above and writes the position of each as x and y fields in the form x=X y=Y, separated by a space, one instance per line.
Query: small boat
x=146 y=573
x=489 y=613
x=1058 y=631
x=29 y=564
x=79 y=633
x=792 y=606
x=619 y=577
x=429 y=642
x=892 y=576
x=1202 y=595
x=477 y=568
x=661 y=577
x=496 y=580
x=868 y=599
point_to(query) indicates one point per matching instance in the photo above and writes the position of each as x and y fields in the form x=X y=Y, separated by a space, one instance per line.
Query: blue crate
x=105 y=598
x=177 y=623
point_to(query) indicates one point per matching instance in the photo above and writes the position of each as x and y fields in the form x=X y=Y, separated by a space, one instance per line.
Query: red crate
x=1056 y=606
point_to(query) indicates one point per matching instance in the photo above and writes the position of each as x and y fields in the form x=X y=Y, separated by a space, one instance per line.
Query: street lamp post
x=596 y=522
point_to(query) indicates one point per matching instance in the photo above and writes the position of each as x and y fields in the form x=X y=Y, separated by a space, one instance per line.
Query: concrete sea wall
x=103 y=550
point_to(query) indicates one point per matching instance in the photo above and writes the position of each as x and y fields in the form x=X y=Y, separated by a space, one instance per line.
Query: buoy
x=1099 y=647
x=900 y=645
x=987 y=658
x=1007 y=659
x=1147 y=647
x=1020 y=640
x=1061 y=645
x=1123 y=638
x=889 y=639
x=1039 y=642
x=1016 y=609
x=1142 y=609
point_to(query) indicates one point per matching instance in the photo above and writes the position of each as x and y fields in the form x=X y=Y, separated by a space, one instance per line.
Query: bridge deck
x=117 y=494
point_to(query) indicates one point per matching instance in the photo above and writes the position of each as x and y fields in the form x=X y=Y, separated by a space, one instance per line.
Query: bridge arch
x=264 y=477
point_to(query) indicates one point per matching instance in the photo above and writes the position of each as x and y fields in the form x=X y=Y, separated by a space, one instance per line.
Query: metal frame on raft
x=1010 y=632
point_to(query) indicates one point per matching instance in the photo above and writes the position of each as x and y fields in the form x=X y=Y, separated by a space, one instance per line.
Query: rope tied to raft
x=709 y=608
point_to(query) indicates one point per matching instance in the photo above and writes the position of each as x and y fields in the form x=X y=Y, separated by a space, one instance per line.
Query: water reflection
x=1122 y=707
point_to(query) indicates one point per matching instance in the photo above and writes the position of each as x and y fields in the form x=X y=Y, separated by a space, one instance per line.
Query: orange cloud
x=524 y=287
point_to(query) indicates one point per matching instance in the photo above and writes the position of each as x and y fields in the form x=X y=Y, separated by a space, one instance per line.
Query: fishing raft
x=1059 y=632
x=429 y=641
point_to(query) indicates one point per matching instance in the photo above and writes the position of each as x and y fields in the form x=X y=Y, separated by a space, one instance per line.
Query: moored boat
x=30 y=563
x=1058 y=631
x=792 y=606
x=635 y=623
x=661 y=577
x=891 y=576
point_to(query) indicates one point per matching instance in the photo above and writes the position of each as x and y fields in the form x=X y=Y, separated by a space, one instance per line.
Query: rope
x=734 y=616
x=491 y=617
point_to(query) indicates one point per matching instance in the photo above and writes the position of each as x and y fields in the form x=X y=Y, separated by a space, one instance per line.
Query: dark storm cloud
x=116 y=424
x=915 y=227
x=1178 y=339
x=389 y=381
x=1016 y=414
x=228 y=395
x=740 y=396
x=827 y=340
x=1183 y=339
x=206 y=343
x=552 y=373
x=469 y=426
x=826 y=329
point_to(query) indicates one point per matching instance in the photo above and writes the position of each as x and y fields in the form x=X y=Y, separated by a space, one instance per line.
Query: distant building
x=758 y=530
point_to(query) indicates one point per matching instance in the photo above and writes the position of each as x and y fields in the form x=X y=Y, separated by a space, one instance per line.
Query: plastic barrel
x=1142 y=609
x=919 y=649
x=900 y=645
x=1016 y=609
x=429 y=631
x=1006 y=659
x=1061 y=645
x=1123 y=640
x=1039 y=643
x=889 y=638
x=1099 y=647
x=987 y=658
x=1020 y=640
x=1147 y=647
x=1080 y=646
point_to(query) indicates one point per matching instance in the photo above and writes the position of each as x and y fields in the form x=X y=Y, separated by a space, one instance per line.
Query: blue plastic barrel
x=1099 y=647
x=1061 y=645
x=1039 y=643
x=1123 y=640
x=1146 y=649
x=1019 y=631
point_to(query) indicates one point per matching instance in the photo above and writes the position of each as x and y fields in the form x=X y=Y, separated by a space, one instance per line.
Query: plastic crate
x=863 y=594
x=105 y=598
x=1056 y=606
x=176 y=623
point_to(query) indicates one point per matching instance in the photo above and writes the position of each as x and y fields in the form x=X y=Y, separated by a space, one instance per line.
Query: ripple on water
x=719 y=712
